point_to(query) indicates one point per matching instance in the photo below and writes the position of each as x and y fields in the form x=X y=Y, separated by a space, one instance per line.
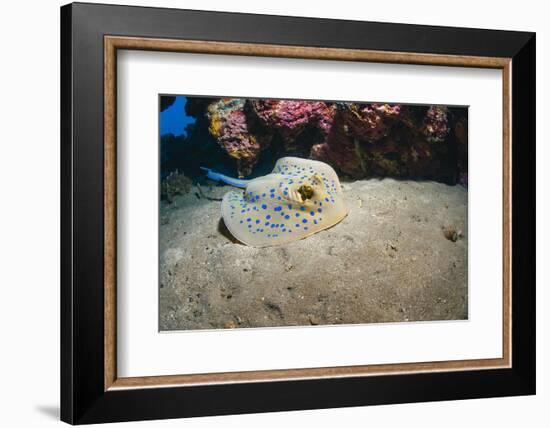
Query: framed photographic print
x=265 y=213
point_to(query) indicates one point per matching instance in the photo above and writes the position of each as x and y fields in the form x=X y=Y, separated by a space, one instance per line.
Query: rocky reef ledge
x=360 y=140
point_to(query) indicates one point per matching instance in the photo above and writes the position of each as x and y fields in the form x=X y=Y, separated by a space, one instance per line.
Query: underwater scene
x=279 y=212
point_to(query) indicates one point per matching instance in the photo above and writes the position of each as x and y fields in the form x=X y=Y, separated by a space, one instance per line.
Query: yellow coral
x=215 y=125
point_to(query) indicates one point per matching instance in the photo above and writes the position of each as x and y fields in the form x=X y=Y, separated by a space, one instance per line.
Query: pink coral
x=385 y=140
x=290 y=118
x=358 y=139
x=436 y=124
x=369 y=122
x=229 y=126
x=339 y=150
x=353 y=126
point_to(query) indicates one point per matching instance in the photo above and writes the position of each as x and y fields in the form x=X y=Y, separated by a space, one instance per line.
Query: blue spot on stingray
x=268 y=216
x=248 y=219
x=319 y=210
x=242 y=211
x=315 y=221
x=272 y=225
x=257 y=221
x=272 y=195
x=267 y=223
x=277 y=209
x=326 y=199
x=304 y=220
x=241 y=221
x=297 y=225
x=305 y=228
x=302 y=208
x=263 y=195
x=264 y=206
x=287 y=216
x=311 y=213
x=249 y=225
x=271 y=190
x=289 y=206
x=278 y=198
x=297 y=214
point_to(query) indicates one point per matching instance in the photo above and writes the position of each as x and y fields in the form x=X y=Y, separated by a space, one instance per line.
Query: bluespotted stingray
x=299 y=198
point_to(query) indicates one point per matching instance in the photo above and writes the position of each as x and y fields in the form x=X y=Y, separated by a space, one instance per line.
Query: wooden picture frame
x=91 y=390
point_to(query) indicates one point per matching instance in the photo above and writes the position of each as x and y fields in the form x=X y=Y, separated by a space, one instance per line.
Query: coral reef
x=436 y=124
x=388 y=140
x=355 y=126
x=368 y=122
x=359 y=140
x=229 y=125
x=174 y=184
x=290 y=118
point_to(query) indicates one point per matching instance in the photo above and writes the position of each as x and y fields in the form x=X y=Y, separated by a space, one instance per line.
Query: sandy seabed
x=400 y=255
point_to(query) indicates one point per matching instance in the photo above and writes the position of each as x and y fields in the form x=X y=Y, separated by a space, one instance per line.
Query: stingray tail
x=216 y=176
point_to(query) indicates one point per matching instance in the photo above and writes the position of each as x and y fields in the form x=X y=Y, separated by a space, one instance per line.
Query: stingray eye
x=305 y=191
x=316 y=179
